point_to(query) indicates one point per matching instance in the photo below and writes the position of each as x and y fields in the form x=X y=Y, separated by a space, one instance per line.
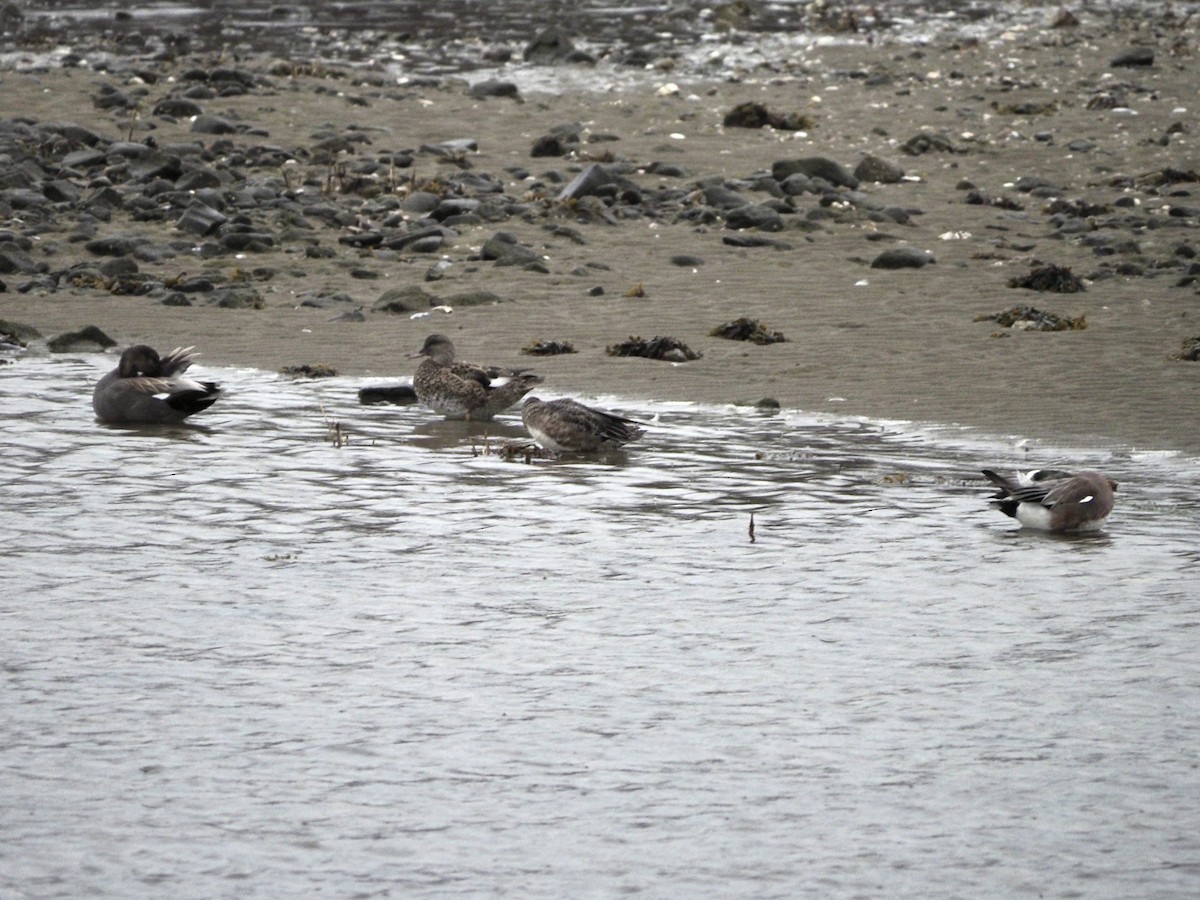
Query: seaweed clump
x=1190 y=351
x=1028 y=318
x=309 y=370
x=747 y=329
x=668 y=348
x=755 y=115
x=1058 y=279
x=548 y=348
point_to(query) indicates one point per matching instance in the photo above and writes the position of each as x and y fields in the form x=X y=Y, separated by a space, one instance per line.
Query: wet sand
x=896 y=344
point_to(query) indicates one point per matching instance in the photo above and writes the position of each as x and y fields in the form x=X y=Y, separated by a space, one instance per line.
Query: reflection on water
x=242 y=661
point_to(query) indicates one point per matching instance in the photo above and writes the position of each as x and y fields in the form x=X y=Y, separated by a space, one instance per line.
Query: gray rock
x=902 y=258
x=452 y=148
x=504 y=249
x=1136 y=56
x=400 y=394
x=247 y=241
x=519 y=255
x=872 y=168
x=430 y=243
x=754 y=240
x=420 y=202
x=493 y=87
x=455 y=206
x=429 y=238
x=178 y=107
x=586 y=182
x=19 y=330
x=117 y=266
x=927 y=142
x=15 y=261
x=552 y=46
x=1028 y=184
x=60 y=190
x=754 y=215
x=110 y=246
x=24 y=198
x=814 y=167
x=198 y=179
x=721 y=197
x=474 y=298
x=87 y=339
x=129 y=150
x=238 y=298
x=405 y=300
x=84 y=159
x=200 y=219
x=797 y=183
x=210 y=124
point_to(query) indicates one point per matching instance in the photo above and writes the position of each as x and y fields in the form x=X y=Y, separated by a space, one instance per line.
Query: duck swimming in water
x=464 y=390
x=570 y=426
x=1054 y=500
x=146 y=388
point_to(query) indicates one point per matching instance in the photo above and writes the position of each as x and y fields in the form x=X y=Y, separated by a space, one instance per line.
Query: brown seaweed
x=747 y=329
x=668 y=348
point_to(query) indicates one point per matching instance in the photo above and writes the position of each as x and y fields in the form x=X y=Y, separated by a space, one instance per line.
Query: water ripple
x=240 y=660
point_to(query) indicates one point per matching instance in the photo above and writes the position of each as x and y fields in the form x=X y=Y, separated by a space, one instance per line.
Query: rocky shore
x=1000 y=233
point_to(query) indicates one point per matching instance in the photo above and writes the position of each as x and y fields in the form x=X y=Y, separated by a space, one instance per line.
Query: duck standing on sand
x=569 y=426
x=1054 y=500
x=463 y=390
x=147 y=389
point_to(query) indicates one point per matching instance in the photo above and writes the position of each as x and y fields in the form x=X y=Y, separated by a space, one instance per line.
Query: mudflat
x=1029 y=151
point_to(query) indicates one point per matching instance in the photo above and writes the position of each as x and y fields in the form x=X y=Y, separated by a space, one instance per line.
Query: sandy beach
x=890 y=343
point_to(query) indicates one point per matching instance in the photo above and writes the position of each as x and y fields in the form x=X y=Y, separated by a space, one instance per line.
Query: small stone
x=493 y=88
x=473 y=298
x=586 y=182
x=814 y=167
x=754 y=215
x=405 y=300
x=118 y=266
x=15 y=261
x=902 y=258
x=872 y=168
x=111 y=246
x=1137 y=56
x=177 y=107
x=400 y=395
x=87 y=339
x=200 y=219
x=209 y=124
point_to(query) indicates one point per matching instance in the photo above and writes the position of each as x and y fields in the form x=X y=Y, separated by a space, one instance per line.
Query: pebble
x=902 y=258
x=122 y=200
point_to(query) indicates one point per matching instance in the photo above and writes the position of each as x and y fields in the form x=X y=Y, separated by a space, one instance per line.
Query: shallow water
x=240 y=661
x=416 y=38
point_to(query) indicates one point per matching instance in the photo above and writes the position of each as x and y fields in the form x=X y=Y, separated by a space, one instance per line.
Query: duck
x=462 y=390
x=1055 y=500
x=567 y=425
x=146 y=388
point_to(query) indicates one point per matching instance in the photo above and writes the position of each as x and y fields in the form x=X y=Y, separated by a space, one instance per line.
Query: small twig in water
x=333 y=430
x=752 y=528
